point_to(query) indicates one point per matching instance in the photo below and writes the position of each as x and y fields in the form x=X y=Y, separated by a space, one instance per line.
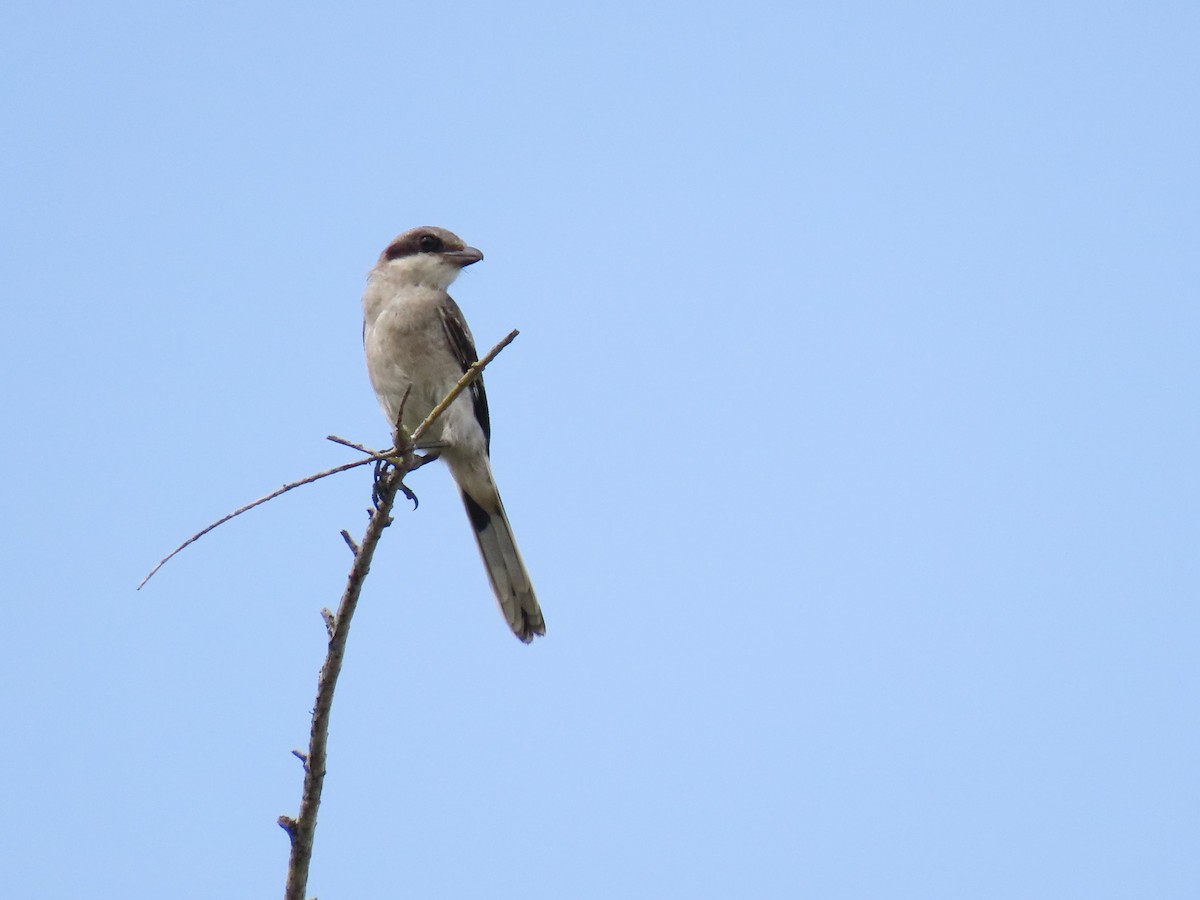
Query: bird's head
x=427 y=255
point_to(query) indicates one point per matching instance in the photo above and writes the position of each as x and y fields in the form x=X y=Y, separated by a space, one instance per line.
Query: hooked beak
x=463 y=258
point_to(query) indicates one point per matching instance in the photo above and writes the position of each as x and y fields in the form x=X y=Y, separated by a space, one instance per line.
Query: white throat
x=421 y=270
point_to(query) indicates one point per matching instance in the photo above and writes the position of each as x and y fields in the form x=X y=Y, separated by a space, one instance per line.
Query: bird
x=418 y=346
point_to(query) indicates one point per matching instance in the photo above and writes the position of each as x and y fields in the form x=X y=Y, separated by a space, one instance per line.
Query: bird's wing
x=462 y=347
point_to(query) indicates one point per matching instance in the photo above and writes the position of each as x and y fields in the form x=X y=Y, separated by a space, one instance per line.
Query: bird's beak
x=464 y=257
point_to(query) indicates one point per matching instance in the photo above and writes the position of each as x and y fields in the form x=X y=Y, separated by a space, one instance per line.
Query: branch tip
x=345 y=467
x=350 y=444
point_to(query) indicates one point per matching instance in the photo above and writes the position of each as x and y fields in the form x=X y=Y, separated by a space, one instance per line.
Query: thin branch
x=350 y=444
x=374 y=457
x=301 y=830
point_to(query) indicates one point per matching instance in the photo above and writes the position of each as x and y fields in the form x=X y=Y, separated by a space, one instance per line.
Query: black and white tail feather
x=505 y=568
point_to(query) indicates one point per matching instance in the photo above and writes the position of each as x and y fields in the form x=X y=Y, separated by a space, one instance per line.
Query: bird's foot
x=384 y=470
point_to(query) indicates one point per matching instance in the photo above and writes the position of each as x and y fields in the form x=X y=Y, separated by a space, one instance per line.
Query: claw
x=407 y=492
x=383 y=468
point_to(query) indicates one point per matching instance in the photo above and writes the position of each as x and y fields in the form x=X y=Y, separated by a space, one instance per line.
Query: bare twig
x=350 y=444
x=302 y=828
x=345 y=467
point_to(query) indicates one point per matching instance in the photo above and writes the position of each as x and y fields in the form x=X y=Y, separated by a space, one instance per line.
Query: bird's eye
x=429 y=243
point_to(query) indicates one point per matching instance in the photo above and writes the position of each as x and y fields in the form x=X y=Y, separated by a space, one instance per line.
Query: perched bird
x=418 y=343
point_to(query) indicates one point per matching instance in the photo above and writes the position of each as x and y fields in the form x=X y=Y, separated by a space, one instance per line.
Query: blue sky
x=851 y=440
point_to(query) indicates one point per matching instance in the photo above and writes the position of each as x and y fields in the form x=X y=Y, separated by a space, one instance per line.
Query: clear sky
x=851 y=439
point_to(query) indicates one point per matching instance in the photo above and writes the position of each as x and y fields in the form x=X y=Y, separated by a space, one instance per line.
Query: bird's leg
x=383 y=468
x=424 y=460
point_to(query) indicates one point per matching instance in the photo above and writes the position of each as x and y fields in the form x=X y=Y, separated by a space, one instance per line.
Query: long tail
x=505 y=568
